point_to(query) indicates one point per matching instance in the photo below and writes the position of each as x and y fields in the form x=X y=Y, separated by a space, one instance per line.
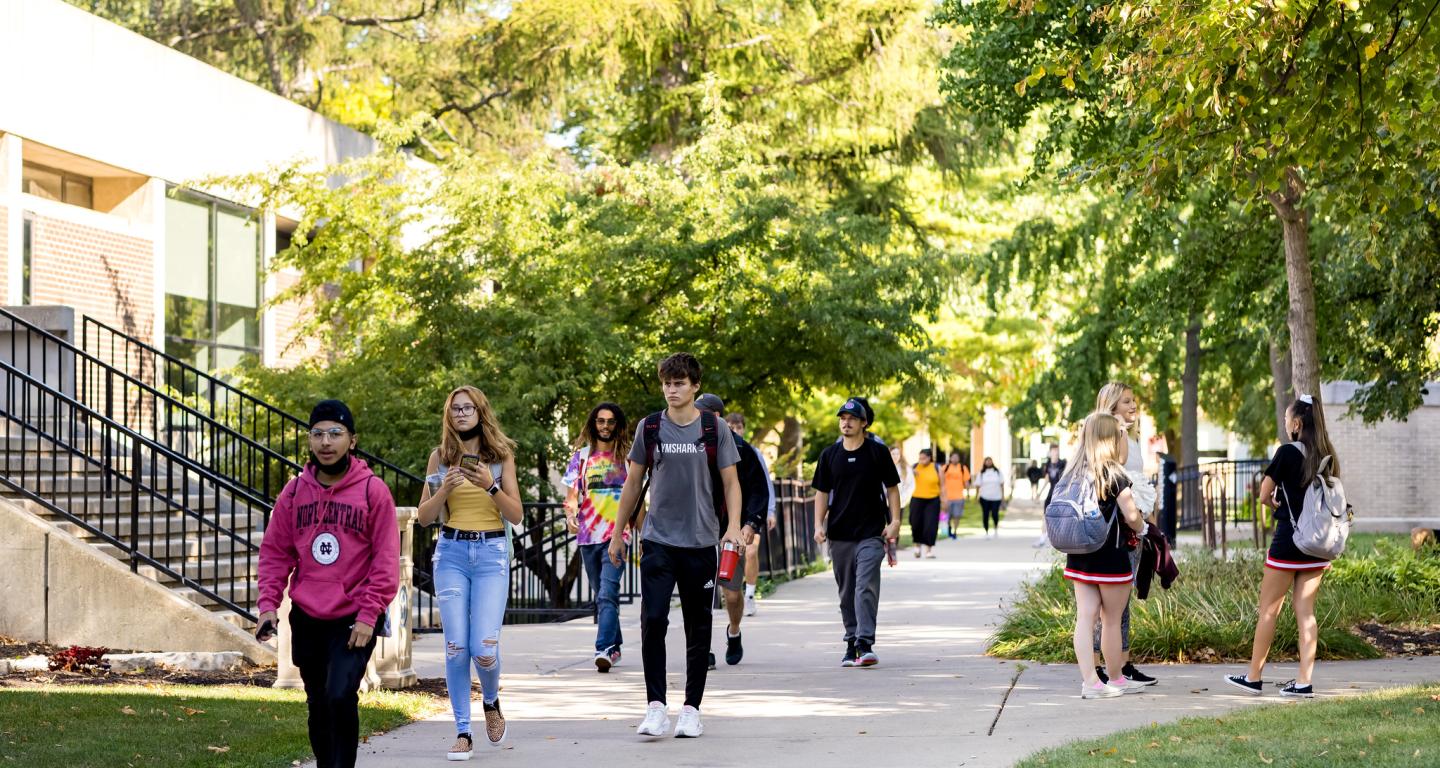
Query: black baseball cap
x=856 y=407
x=332 y=410
x=712 y=403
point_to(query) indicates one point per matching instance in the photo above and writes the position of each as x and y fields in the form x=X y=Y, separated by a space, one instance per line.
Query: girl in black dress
x=1291 y=470
x=1102 y=578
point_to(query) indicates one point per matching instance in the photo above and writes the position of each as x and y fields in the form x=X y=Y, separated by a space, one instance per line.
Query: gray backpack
x=1322 y=522
x=1073 y=521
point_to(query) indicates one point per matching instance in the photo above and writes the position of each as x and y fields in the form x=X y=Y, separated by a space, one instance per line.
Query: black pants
x=331 y=673
x=924 y=521
x=989 y=509
x=662 y=568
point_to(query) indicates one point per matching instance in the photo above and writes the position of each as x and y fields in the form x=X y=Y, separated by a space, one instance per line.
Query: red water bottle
x=729 y=558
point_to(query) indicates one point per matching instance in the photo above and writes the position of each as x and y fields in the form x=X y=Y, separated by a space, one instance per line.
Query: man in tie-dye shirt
x=595 y=476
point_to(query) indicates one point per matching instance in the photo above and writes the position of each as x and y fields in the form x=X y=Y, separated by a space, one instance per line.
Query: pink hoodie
x=340 y=543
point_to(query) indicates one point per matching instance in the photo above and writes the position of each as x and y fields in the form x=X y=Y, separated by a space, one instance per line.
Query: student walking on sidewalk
x=857 y=509
x=991 y=494
x=332 y=538
x=1294 y=467
x=1118 y=400
x=925 y=504
x=736 y=420
x=471 y=490
x=690 y=458
x=1102 y=578
x=595 y=476
x=957 y=482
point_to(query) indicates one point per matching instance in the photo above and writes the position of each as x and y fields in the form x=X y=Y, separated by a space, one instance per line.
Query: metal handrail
x=82 y=418
x=409 y=495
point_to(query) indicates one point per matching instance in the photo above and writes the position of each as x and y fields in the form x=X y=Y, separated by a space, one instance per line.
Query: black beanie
x=332 y=410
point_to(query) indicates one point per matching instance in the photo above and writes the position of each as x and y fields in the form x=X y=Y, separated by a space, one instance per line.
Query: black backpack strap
x=710 y=441
x=650 y=429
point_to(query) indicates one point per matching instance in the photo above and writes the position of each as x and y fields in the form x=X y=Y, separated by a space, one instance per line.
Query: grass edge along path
x=1381 y=729
x=175 y=726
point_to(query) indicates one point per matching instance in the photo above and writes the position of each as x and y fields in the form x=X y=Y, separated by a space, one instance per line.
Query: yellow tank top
x=473 y=509
x=927 y=482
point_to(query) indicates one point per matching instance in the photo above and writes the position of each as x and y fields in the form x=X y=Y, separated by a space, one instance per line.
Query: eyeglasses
x=606 y=422
x=334 y=433
x=463 y=410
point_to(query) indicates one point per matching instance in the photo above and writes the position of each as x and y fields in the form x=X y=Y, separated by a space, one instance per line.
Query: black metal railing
x=1215 y=496
x=194 y=402
x=157 y=508
x=548 y=581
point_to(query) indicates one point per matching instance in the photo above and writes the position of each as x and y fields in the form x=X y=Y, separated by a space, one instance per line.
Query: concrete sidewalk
x=930 y=702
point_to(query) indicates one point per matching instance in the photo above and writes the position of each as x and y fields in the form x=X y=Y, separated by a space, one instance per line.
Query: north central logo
x=325 y=549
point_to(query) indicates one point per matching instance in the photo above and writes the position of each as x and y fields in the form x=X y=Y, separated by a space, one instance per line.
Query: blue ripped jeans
x=472 y=585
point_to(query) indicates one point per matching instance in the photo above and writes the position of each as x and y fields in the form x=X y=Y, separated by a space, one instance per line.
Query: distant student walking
x=595 y=477
x=925 y=504
x=333 y=543
x=1293 y=468
x=857 y=510
x=957 y=484
x=992 y=495
x=472 y=492
x=1102 y=578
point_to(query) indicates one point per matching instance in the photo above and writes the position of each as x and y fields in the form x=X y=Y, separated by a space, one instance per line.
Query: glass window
x=54 y=184
x=212 y=283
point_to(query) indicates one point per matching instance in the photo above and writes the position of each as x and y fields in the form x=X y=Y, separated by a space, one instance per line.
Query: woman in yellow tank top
x=472 y=554
x=925 y=504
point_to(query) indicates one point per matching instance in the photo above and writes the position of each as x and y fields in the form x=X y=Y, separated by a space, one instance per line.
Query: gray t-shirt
x=682 y=509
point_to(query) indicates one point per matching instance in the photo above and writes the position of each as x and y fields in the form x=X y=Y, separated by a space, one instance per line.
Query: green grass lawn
x=1396 y=727
x=1209 y=615
x=164 y=726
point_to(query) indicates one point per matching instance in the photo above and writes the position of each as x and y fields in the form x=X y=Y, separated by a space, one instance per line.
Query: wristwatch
x=494 y=489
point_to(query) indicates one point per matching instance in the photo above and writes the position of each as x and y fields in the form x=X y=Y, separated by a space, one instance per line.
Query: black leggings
x=662 y=568
x=990 y=509
x=331 y=673
x=924 y=521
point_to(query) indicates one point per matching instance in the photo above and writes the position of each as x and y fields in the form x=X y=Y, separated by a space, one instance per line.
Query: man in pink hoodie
x=332 y=537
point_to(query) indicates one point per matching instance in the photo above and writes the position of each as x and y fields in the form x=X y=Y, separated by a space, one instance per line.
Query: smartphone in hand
x=891 y=555
x=469 y=461
x=265 y=631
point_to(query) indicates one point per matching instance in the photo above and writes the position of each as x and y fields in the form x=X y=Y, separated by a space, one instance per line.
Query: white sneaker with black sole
x=689 y=726
x=750 y=606
x=656 y=722
x=1244 y=683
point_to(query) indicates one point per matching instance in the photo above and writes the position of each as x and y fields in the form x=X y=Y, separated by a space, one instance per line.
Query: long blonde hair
x=495 y=447
x=1108 y=399
x=1097 y=454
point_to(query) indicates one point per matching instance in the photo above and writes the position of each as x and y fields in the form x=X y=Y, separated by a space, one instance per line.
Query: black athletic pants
x=924 y=520
x=990 y=510
x=331 y=673
x=662 y=568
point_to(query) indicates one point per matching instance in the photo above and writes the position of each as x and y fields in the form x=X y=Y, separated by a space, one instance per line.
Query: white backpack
x=1322 y=522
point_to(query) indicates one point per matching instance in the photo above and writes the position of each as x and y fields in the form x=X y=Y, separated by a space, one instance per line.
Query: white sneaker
x=1099 y=690
x=688 y=726
x=1125 y=685
x=656 y=723
x=750 y=606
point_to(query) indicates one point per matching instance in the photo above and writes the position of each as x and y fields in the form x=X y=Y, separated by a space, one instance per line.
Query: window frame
x=65 y=176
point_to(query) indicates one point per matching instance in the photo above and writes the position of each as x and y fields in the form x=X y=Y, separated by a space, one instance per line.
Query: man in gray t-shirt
x=682 y=500
x=679 y=534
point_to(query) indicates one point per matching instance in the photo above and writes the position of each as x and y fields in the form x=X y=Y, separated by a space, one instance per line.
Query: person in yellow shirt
x=925 y=504
x=957 y=479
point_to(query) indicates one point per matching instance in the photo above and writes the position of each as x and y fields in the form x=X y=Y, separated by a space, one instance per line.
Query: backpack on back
x=1074 y=523
x=1322 y=523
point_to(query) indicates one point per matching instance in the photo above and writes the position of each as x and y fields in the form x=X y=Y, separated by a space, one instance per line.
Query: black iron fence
x=1215 y=497
x=155 y=507
x=548 y=581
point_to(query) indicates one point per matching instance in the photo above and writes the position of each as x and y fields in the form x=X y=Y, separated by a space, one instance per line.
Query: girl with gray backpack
x=1301 y=484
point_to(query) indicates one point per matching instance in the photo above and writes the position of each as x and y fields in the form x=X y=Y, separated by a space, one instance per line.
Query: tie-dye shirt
x=603 y=478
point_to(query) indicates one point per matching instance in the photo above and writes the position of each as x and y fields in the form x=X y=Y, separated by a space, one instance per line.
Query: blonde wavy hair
x=1108 y=399
x=495 y=446
x=1097 y=455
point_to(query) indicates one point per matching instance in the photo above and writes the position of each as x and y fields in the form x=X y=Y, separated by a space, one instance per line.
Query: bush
x=1209 y=613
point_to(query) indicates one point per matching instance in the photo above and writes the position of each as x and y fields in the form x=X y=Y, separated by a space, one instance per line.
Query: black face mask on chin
x=469 y=434
x=339 y=468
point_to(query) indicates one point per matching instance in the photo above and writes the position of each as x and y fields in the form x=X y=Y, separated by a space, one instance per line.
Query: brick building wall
x=1389 y=468
x=103 y=274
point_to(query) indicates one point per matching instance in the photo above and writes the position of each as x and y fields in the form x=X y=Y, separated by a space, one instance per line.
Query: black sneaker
x=1292 y=691
x=712 y=662
x=849 y=660
x=733 y=651
x=1251 y=687
x=865 y=655
x=1136 y=676
x=1100 y=671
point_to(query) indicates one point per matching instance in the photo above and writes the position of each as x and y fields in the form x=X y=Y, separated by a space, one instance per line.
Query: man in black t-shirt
x=857 y=509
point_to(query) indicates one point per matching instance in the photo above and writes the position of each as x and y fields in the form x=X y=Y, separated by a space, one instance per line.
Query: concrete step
x=18 y=463
x=180 y=549
x=96 y=504
x=243 y=568
x=159 y=524
x=242 y=593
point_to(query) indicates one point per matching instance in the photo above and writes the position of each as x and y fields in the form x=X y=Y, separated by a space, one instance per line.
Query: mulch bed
x=1397 y=641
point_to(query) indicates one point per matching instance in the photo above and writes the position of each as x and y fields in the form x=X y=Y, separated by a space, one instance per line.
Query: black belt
x=459 y=535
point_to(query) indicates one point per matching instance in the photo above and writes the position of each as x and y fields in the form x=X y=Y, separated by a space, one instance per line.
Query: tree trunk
x=787 y=462
x=1281 y=374
x=1190 y=395
x=1295 y=227
x=542 y=472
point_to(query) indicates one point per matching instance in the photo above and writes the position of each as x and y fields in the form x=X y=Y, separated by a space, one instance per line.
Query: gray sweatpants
x=857 y=574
